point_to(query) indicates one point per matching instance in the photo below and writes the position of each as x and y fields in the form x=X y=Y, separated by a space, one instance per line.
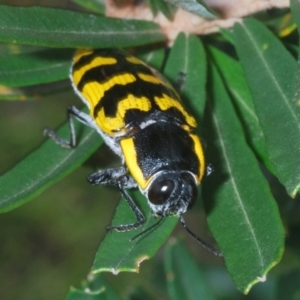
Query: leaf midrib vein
x=85 y=33
x=238 y=197
x=49 y=174
x=276 y=83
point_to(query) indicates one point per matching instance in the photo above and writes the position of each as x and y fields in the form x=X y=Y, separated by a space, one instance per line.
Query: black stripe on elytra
x=138 y=88
x=103 y=73
x=87 y=59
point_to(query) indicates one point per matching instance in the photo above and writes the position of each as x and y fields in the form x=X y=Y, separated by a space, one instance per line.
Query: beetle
x=141 y=118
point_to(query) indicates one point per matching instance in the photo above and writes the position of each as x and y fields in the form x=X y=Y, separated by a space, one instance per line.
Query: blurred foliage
x=49 y=244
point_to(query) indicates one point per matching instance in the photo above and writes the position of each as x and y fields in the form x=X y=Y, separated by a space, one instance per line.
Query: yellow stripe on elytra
x=167 y=102
x=80 y=53
x=130 y=156
x=156 y=78
x=199 y=151
x=150 y=78
x=134 y=60
x=96 y=62
x=94 y=91
x=112 y=124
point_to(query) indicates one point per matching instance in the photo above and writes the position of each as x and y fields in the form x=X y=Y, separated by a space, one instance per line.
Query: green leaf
x=242 y=213
x=271 y=72
x=45 y=166
x=96 y=6
x=153 y=7
x=227 y=35
x=61 y=28
x=35 y=67
x=117 y=253
x=161 y=5
x=235 y=80
x=197 y=7
x=186 y=69
x=185 y=280
x=153 y=58
x=295 y=6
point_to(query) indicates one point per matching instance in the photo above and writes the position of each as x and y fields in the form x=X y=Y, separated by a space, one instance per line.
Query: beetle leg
x=112 y=176
x=180 y=81
x=73 y=112
x=139 y=215
x=120 y=178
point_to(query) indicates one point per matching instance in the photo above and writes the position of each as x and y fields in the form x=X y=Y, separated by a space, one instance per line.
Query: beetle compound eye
x=160 y=192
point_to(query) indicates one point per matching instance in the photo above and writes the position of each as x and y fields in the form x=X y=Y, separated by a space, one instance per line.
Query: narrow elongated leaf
x=36 y=26
x=153 y=7
x=186 y=68
x=184 y=278
x=242 y=213
x=161 y=5
x=153 y=58
x=227 y=35
x=117 y=253
x=44 y=167
x=271 y=73
x=196 y=7
x=236 y=83
x=35 y=67
x=295 y=6
x=97 y=6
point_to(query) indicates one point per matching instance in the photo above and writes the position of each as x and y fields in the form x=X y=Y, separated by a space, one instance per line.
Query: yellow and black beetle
x=141 y=118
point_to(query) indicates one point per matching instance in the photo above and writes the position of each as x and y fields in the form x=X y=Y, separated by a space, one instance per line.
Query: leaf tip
x=114 y=271
x=96 y=270
x=262 y=279
x=139 y=261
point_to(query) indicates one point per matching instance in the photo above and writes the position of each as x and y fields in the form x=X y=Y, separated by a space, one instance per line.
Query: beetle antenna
x=204 y=244
x=147 y=229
